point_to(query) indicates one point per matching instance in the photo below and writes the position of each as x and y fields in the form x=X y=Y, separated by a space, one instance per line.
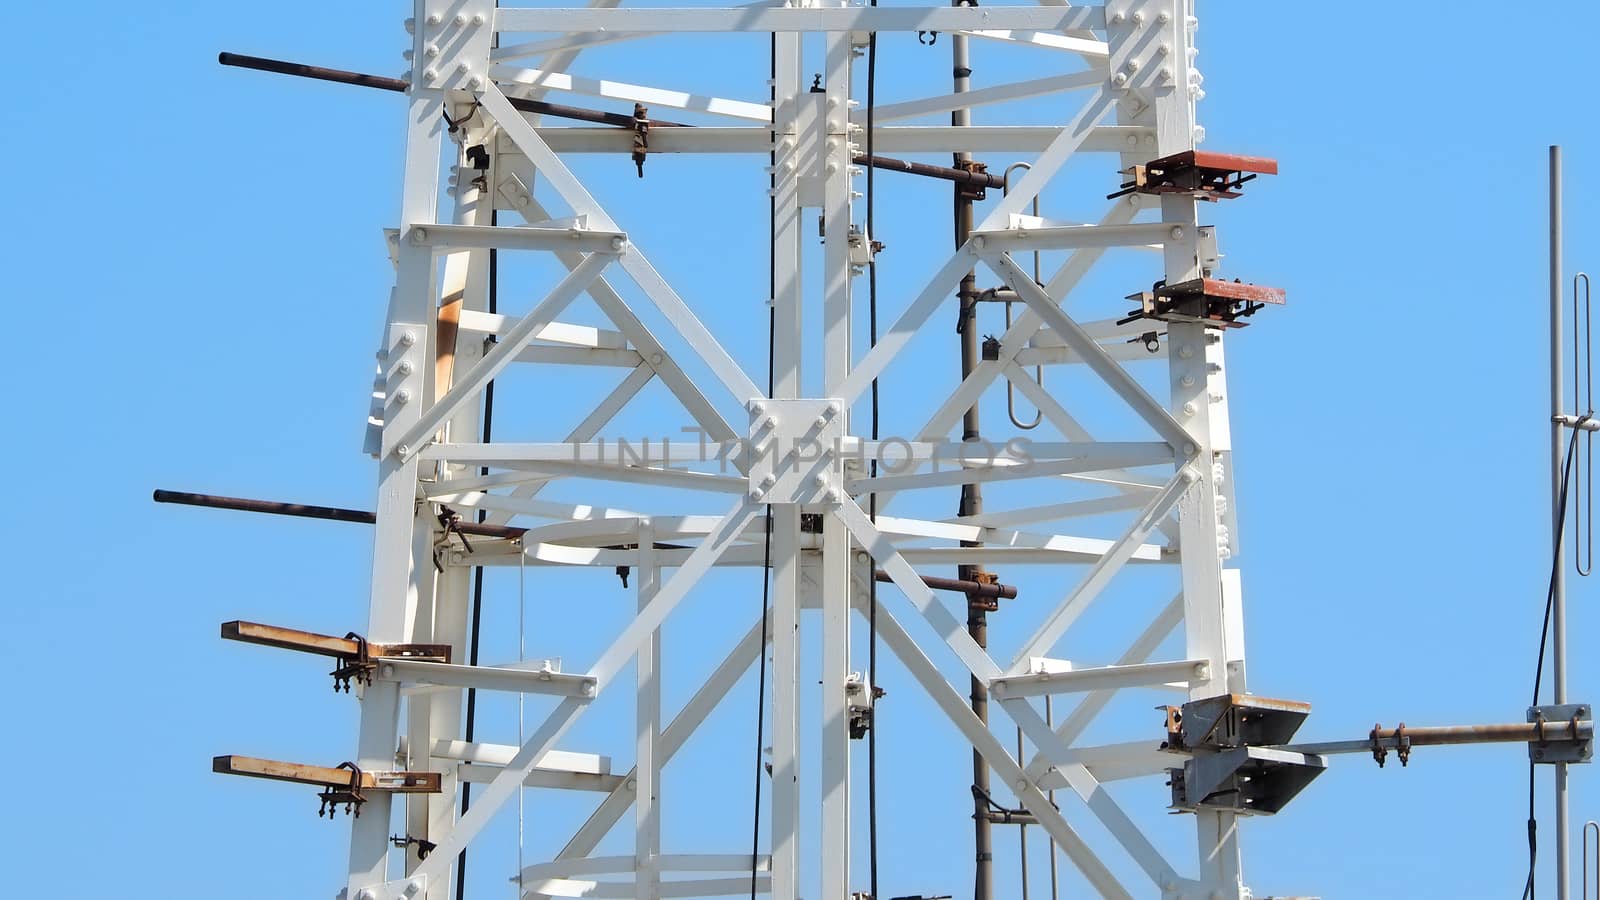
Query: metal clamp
x=1379 y=752
x=1402 y=744
x=350 y=794
x=359 y=667
x=641 y=135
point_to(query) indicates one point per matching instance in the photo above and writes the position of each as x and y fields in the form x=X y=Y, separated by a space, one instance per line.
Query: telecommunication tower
x=788 y=472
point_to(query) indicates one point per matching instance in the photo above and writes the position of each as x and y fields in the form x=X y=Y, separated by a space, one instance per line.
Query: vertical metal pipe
x=1559 y=580
x=972 y=494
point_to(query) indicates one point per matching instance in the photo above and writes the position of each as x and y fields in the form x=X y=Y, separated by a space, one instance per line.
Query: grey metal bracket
x=1562 y=741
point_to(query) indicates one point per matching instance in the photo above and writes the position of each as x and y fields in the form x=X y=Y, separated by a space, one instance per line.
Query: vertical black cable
x=872 y=498
x=477 y=575
x=1528 y=892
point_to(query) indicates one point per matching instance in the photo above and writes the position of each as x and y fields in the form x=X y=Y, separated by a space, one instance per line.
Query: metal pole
x=1558 y=584
x=972 y=494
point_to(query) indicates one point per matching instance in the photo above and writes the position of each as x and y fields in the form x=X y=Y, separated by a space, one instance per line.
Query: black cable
x=1544 y=637
x=477 y=575
x=872 y=498
x=766 y=555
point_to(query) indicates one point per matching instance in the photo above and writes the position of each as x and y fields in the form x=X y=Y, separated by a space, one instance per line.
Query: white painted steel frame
x=1140 y=72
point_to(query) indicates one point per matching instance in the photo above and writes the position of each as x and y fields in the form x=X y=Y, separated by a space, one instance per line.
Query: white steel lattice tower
x=794 y=457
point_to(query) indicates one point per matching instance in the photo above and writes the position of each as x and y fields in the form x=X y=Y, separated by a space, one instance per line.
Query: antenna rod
x=1558 y=584
x=973 y=589
x=577 y=113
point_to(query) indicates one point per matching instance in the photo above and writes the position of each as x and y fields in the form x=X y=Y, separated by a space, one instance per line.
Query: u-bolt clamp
x=1402 y=744
x=1379 y=752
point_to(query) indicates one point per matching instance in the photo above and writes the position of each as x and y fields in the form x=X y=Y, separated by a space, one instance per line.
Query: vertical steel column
x=971 y=494
x=1558 y=583
x=394 y=600
x=838 y=188
x=785 y=522
x=647 y=734
x=785 y=700
x=1170 y=108
x=437 y=715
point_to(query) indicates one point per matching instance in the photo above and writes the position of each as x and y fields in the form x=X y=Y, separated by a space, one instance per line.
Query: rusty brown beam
x=580 y=114
x=326 y=776
x=327 y=644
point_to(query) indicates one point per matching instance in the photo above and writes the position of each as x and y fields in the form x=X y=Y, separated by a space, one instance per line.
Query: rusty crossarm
x=326 y=776
x=1513 y=733
x=327 y=644
x=361 y=516
x=596 y=116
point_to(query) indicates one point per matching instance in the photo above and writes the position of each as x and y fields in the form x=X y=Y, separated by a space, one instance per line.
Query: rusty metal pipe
x=399 y=86
x=308 y=511
x=1513 y=733
x=577 y=113
x=483 y=529
x=956 y=585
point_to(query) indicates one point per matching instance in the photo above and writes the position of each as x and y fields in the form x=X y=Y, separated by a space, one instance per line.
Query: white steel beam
x=802 y=19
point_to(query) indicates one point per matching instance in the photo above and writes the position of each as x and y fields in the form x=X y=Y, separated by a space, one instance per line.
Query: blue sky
x=198 y=283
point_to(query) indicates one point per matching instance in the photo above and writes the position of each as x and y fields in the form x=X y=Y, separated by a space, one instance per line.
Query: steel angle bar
x=1122 y=352
x=579 y=356
x=681 y=386
x=504 y=785
x=504 y=352
x=644 y=452
x=673 y=737
x=543 y=509
x=983 y=740
x=907 y=326
x=500 y=754
x=1000 y=538
x=1112 y=762
x=1021 y=556
x=795 y=19
x=530 y=49
x=1053 y=512
x=732 y=526
x=521 y=132
x=1058 y=416
x=1057 y=623
x=544 y=737
x=487 y=678
x=553 y=779
x=1016 y=337
x=624 y=890
x=1090 y=791
x=980 y=475
x=1092 y=705
x=544 y=80
x=1038 y=684
x=1003 y=93
x=565 y=333
x=1004 y=138
x=1111 y=372
x=1073 y=237
x=692 y=330
x=1049 y=162
x=668 y=862
x=442 y=237
x=626 y=474
x=1085 y=47
x=882 y=550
